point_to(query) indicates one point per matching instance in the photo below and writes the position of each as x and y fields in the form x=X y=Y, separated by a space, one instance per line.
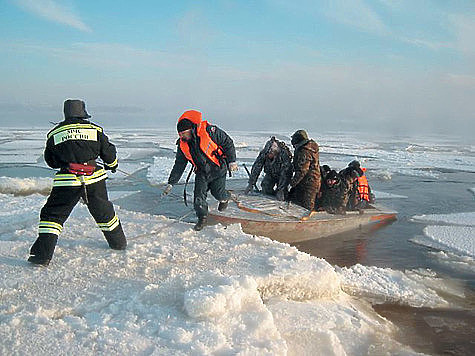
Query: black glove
x=107 y=168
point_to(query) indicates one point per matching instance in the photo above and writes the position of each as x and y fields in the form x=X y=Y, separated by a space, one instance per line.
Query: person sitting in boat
x=360 y=194
x=305 y=182
x=276 y=160
x=335 y=193
x=324 y=170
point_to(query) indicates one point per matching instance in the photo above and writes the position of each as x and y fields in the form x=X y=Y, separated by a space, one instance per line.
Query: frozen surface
x=25 y=186
x=453 y=235
x=177 y=291
x=383 y=195
x=463 y=219
x=219 y=291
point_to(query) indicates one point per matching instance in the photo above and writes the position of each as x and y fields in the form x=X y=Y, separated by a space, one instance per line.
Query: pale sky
x=398 y=66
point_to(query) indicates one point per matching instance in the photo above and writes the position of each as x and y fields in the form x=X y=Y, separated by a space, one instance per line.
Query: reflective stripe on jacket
x=72 y=180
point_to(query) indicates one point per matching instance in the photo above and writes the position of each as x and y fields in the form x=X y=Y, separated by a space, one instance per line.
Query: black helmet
x=74 y=108
x=354 y=164
x=298 y=136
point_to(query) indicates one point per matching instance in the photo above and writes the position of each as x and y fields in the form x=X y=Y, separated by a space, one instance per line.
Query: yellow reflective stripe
x=74 y=126
x=113 y=164
x=49 y=227
x=51 y=224
x=67 y=184
x=96 y=177
x=71 y=180
x=110 y=225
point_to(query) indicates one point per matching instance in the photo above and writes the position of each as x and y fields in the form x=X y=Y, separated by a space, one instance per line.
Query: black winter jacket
x=76 y=140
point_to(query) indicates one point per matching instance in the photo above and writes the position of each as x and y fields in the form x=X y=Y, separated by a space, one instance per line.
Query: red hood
x=191 y=115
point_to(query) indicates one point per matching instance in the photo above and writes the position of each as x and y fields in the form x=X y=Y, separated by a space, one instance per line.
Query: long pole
x=249 y=174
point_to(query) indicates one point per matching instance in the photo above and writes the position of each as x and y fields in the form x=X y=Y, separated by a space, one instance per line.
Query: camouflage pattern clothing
x=335 y=193
x=276 y=160
x=305 y=182
x=351 y=174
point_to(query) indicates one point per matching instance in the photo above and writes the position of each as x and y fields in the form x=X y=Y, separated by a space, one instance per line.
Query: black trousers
x=59 y=206
x=217 y=186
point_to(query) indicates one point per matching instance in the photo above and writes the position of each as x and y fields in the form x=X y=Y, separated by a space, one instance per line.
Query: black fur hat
x=74 y=108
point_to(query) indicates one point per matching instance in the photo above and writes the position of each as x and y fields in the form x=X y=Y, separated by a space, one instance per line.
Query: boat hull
x=292 y=223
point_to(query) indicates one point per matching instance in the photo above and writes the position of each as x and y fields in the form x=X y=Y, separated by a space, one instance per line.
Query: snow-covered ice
x=218 y=291
x=177 y=291
x=453 y=235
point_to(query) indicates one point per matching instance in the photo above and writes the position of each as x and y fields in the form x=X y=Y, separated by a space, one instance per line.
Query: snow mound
x=25 y=186
x=383 y=285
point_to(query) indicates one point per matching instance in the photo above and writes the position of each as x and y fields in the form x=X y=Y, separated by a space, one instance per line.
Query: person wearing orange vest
x=360 y=195
x=212 y=153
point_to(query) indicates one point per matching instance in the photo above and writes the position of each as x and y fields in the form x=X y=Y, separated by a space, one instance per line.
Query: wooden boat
x=286 y=222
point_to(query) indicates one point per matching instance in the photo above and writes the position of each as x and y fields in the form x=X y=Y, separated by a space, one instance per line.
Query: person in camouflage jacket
x=305 y=183
x=276 y=160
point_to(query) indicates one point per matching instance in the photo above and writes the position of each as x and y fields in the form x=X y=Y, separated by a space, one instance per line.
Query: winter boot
x=37 y=260
x=42 y=250
x=223 y=205
x=200 y=224
x=116 y=238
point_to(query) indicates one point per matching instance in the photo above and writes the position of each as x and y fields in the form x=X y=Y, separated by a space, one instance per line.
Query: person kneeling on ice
x=211 y=152
x=276 y=159
x=73 y=146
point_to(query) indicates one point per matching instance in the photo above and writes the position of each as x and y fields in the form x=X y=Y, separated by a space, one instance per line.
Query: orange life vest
x=363 y=188
x=207 y=145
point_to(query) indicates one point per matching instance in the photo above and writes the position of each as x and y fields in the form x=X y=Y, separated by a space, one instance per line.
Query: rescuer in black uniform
x=73 y=147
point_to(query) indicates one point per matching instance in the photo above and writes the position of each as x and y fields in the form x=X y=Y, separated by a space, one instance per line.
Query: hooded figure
x=305 y=183
x=75 y=109
x=276 y=160
x=211 y=152
x=73 y=147
x=335 y=193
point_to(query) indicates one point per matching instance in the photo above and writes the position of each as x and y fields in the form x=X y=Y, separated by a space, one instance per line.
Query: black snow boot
x=200 y=224
x=42 y=250
x=37 y=260
x=116 y=238
x=223 y=205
